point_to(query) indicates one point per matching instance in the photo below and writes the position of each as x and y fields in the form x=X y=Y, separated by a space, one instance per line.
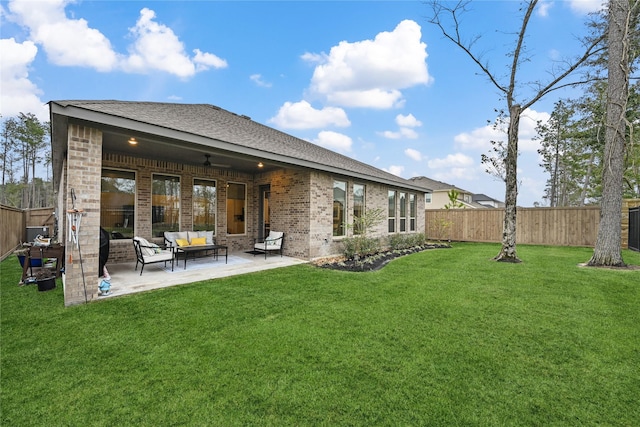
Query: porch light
x=133 y=141
x=260 y=165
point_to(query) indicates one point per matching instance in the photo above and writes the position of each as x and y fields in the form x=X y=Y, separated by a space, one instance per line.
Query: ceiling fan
x=207 y=163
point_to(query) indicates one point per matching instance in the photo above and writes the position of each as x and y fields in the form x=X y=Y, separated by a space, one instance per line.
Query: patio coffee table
x=201 y=248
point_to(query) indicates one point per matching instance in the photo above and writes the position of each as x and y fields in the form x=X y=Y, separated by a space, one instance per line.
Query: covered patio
x=125 y=280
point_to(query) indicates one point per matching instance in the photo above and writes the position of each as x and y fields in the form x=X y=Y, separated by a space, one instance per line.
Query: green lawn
x=443 y=337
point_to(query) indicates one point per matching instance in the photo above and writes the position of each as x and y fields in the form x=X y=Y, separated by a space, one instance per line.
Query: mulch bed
x=372 y=262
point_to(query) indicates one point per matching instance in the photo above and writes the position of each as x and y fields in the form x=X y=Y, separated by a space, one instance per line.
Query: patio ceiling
x=182 y=152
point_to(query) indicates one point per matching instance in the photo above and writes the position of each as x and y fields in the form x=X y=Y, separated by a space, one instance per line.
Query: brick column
x=84 y=164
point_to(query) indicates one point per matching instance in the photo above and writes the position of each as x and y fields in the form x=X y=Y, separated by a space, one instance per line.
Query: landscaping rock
x=372 y=262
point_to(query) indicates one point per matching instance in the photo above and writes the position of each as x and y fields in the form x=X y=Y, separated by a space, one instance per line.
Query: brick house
x=141 y=168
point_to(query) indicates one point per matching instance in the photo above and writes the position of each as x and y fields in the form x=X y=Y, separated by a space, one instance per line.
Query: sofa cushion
x=192 y=235
x=182 y=242
x=171 y=236
x=208 y=235
x=274 y=239
x=199 y=241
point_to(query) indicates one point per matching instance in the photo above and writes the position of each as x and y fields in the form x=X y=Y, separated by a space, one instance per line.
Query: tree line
x=572 y=148
x=25 y=152
x=608 y=61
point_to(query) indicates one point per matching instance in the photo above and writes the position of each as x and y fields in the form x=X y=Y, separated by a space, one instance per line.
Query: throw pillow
x=182 y=242
x=192 y=235
x=147 y=247
x=208 y=235
x=199 y=241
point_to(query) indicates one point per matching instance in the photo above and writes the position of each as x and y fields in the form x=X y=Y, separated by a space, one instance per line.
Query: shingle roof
x=434 y=185
x=218 y=124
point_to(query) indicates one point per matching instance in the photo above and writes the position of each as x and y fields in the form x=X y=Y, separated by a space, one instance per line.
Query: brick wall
x=122 y=251
x=322 y=243
x=83 y=171
x=301 y=205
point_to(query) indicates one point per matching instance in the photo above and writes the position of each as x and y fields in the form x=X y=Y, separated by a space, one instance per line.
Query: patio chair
x=149 y=253
x=272 y=243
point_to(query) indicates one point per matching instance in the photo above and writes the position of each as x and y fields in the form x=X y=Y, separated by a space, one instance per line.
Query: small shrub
x=359 y=246
x=441 y=228
x=405 y=241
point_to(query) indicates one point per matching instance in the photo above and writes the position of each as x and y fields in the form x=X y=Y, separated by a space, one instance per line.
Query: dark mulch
x=375 y=261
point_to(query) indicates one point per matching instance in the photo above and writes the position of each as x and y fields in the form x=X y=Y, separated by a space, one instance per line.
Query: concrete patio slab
x=125 y=280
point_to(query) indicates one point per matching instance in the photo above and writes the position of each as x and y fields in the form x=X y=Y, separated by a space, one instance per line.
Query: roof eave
x=104 y=119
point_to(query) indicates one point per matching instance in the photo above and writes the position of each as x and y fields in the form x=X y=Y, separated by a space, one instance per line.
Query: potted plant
x=45 y=279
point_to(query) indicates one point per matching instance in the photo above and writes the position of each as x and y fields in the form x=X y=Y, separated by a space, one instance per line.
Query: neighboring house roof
x=434 y=185
x=216 y=128
x=445 y=187
x=479 y=198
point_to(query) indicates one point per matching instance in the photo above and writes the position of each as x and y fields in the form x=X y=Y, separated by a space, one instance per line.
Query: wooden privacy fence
x=576 y=226
x=14 y=223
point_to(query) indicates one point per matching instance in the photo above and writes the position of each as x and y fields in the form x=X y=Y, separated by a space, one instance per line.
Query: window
x=403 y=212
x=165 y=204
x=427 y=197
x=117 y=203
x=236 y=205
x=339 y=207
x=392 y=211
x=412 y=212
x=204 y=205
x=358 y=207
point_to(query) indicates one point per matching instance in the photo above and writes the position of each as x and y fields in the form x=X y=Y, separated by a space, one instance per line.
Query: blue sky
x=369 y=79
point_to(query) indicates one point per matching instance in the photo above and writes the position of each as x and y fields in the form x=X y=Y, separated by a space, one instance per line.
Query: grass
x=442 y=337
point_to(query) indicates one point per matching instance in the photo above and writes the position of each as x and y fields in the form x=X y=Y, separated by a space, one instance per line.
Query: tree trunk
x=608 y=250
x=508 y=251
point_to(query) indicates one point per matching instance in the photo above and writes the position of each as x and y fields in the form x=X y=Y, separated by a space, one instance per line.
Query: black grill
x=634 y=228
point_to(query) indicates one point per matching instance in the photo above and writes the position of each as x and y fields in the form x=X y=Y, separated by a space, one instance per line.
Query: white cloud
x=18 y=93
x=394 y=169
x=408 y=121
x=72 y=42
x=528 y=122
x=405 y=131
x=334 y=141
x=67 y=42
x=402 y=133
x=543 y=8
x=587 y=6
x=204 y=60
x=313 y=57
x=156 y=47
x=457 y=160
x=370 y=73
x=414 y=154
x=257 y=79
x=372 y=98
x=301 y=115
x=480 y=139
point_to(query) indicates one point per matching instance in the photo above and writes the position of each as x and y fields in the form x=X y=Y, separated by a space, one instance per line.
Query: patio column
x=84 y=165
